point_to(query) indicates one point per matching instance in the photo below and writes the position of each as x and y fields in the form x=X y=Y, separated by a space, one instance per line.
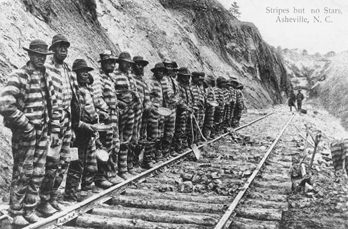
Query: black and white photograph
x=173 y=114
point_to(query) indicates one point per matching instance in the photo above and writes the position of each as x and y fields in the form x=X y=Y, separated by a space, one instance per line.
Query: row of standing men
x=55 y=114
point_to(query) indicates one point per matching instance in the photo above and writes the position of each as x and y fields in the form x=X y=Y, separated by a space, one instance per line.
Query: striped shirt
x=29 y=98
x=186 y=97
x=88 y=110
x=104 y=93
x=124 y=81
x=219 y=93
x=239 y=100
x=143 y=91
x=64 y=81
x=210 y=94
x=198 y=95
x=156 y=91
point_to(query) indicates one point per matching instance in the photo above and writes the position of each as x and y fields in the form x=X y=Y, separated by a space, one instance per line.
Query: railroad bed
x=204 y=193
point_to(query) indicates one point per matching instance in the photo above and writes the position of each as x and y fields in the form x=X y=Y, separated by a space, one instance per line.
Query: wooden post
x=316 y=143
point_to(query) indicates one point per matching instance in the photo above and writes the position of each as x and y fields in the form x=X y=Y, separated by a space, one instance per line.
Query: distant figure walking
x=299 y=99
x=291 y=100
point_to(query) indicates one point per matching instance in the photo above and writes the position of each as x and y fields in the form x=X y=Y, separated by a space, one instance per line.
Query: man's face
x=184 y=80
x=223 y=85
x=108 y=66
x=159 y=74
x=195 y=80
x=82 y=76
x=37 y=60
x=170 y=68
x=138 y=68
x=124 y=66
x=60 y=51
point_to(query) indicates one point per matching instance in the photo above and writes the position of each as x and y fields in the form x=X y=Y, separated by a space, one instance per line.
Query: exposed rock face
x=304 y=69
x=201 y=35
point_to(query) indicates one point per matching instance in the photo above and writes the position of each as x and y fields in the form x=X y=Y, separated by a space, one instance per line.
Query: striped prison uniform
x=64 y=82
x=219 y=110
x=183 y=121
x=170 y=87
x=125 y=81
x=140 y=121
x=200 y=101
x=29 y=106
x=155 y=124
x=233 y=99
x=105 y=99
x=339 y=153
x=238 y=108
x=209 y=112
x=85 y=167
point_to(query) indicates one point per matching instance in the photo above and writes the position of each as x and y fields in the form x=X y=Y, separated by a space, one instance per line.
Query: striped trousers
x=111 y=141
x=339 y=153
x=169 y=130
x=85 y=167
x=200 y=114
x=180 y=137
x=56 y=168
x=29 y=158
x=208 y=121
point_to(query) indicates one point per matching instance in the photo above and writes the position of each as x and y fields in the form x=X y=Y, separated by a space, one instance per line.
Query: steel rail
x=74 y=211
x=222 y=222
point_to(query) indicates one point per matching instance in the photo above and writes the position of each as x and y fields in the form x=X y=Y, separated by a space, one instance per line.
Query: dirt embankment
x=201 y=35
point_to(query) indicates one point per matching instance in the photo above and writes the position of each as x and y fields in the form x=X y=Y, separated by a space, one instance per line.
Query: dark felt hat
x=140 y=59
x=171 y=62
x=199 y=74
x=125 y=56
x=80 y=64
x=38 y=46
x=159 y=66
x=107 y=55
x=221 y=79
x=183 y=71
x=59 y=38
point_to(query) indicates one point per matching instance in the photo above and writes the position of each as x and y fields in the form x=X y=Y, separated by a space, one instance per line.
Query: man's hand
x=121 y=105
x=55 y=141
x=103 y=116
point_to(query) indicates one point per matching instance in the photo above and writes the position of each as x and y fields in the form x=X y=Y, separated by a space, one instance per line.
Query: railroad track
x=206 y=193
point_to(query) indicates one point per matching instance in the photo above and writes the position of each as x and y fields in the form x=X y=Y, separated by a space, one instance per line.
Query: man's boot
x=45 y=208
x=122 y=163
x=136 y=163
x=130 y=161
x=158 y=152
x=148 y=154
x=72 y=182
x=31 y=216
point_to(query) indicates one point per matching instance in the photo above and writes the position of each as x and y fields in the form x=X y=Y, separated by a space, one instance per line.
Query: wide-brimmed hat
x=159 y=66
x=107 y=55
x=183 y=71
x=125 y=56
x=221 y=79
x=199 y=74
x=59 y=38
x=38 y=46
x=81 y=64
x=140 y=59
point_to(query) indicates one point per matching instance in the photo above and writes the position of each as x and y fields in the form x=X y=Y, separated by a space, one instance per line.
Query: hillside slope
x=201 y=35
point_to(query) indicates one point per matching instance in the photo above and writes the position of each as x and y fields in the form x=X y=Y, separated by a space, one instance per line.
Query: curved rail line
x=74 y=211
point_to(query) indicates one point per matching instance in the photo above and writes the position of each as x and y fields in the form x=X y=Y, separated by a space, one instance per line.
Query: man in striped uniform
x=209 y=84
x=219 y=110
x=106 y=100
x=183 y=132
x=142 y=109
x=200 y=101
x=170 y=90
x=233 y=99
x=239 y=105
x=126 y=89
x=28 y=104
x=85 y=167
x=155 y=122
x=66 y=85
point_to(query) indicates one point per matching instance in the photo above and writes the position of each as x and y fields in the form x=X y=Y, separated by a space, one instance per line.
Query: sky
x=318 y=25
